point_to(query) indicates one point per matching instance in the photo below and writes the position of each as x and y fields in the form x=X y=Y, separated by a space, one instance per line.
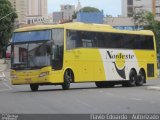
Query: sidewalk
x=5 y=68
x=156 y=87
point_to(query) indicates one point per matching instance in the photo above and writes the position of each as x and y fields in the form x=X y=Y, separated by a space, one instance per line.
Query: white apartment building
x=21 y=7
x=131 y=6
x=30 y=11
x=36 y=11
x=57 y=17
x=68 y=11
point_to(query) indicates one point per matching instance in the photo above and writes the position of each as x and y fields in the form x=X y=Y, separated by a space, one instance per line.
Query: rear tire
x=132 y=79
x=34 y=87
x=141 y=78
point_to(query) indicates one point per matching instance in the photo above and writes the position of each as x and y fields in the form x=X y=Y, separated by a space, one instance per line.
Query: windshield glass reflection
x=31 y=55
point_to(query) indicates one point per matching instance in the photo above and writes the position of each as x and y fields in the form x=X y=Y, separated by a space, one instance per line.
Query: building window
x=130 y=2
x=157 y=9
x=130 y=11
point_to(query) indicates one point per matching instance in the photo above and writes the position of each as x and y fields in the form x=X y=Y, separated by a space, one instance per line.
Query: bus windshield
x=31 y=50
x=31 y=36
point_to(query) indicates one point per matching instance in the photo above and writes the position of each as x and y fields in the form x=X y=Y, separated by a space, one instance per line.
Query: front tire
x=67 y=80
x=34 y=87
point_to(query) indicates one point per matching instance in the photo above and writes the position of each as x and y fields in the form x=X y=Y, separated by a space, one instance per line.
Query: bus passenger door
x=57 y=48
x=57 y=57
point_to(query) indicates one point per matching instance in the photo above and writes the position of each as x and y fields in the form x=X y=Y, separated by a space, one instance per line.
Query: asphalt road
x=81 y=98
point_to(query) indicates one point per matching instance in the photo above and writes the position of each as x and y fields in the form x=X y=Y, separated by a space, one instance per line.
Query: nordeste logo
x=120 y=62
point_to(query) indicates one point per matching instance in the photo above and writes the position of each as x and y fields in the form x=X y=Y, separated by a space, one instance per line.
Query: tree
x=7 y=19
x=85 y=9
x=147 y=20
x=89 y=9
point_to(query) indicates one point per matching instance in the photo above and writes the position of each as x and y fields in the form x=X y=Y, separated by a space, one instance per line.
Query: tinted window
x=130 y=2
x=138 y=42
x=32 y=36
x=40 y=35
x=108 y=40
x=71 y=39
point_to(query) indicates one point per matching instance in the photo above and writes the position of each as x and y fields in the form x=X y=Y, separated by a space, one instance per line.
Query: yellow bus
x=78 y=52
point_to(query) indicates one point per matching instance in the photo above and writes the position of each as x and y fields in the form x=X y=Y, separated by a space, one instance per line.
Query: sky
x=110 y=7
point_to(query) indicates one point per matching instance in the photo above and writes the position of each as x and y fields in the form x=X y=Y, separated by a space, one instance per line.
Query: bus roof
x=84 y=26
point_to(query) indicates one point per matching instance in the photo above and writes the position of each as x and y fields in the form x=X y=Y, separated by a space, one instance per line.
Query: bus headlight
x=44 y=74
x=13 y=76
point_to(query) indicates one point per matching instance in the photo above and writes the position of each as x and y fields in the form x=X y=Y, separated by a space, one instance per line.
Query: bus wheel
x=67 y=80
x=34 y=87
x=141 y=78
x=132 y=79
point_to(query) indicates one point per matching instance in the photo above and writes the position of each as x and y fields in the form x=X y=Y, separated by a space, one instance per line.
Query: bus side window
x=71 y=40
x=78 y=39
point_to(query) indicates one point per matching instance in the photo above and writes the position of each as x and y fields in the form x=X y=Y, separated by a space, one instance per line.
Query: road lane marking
x=5 y=84
x=124 y=97
x=137 y=99
x=85 y=104
x=7 y=87
x=4 y=90
x=111 y=94
x=101 y=91
x=153 y=87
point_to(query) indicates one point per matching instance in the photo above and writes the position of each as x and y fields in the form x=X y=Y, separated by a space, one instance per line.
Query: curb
x=153 y=87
